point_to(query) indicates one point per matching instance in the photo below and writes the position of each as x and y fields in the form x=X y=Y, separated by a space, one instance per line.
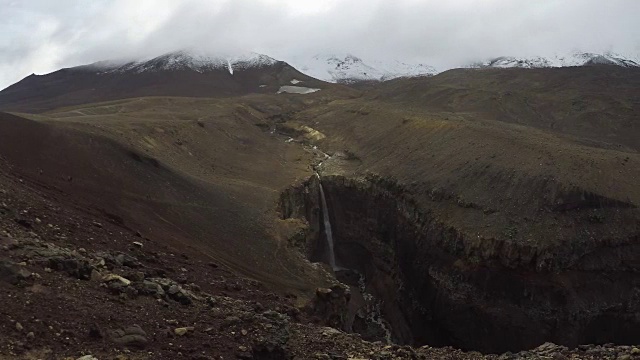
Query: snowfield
x=572 y=59
x=185 y=60
x=296 y=90
x=349 y=68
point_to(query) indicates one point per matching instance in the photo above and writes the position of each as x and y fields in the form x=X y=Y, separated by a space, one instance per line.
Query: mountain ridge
x=177 y=73
x=188 y=60
x=576 y=58
x=348 y=68
x=201 y=74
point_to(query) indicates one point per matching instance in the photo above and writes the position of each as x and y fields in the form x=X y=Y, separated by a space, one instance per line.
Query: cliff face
x=441 y=286
x=302 y=201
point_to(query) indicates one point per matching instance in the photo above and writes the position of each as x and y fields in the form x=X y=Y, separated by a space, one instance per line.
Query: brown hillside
x=220 y=216
x=88 y=84
x=598 y=103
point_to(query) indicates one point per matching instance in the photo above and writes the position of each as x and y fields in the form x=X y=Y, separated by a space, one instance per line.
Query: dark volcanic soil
x=74 y=284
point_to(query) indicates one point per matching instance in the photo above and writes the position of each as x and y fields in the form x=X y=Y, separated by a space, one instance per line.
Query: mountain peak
x=573 y=59
x=350 y=68
x=191 y=61
x=179 y=73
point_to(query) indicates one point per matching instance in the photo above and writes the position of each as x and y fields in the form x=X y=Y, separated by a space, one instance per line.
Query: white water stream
x=374 y=313
x=327 y=227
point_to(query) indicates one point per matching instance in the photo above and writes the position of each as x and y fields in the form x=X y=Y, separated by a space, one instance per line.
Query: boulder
x=181 y=331
x=132 y=336
x=12 y=273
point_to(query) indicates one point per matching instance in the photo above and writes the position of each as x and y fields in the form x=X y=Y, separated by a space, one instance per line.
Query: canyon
x=435 y=295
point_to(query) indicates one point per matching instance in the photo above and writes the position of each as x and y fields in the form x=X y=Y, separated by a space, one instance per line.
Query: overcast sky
x=40 y=36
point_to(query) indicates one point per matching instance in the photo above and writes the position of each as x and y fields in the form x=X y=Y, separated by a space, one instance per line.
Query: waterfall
x=327 y=227
x=372 y=306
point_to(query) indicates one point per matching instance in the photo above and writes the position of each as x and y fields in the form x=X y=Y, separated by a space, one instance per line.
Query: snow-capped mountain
x=189 y=60
x=573 y=59
x=180 y=73
x=349 y=68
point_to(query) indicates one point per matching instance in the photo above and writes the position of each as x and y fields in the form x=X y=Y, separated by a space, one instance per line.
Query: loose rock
x=132 y=336
x=87 y=357
x=114 y=277
x=181 y=331
x=13 y=274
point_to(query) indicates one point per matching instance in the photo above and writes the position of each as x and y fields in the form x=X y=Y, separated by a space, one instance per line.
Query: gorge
x=432 y=293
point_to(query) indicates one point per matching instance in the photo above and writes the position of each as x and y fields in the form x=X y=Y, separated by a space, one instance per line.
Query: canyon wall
x=436 y=291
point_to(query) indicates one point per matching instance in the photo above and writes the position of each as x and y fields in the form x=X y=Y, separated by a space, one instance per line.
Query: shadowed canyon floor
x=481 y=220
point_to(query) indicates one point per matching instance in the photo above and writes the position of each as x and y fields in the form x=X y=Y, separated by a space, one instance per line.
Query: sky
x=40 y=36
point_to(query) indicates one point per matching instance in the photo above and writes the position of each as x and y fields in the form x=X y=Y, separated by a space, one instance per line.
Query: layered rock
x=441 y=286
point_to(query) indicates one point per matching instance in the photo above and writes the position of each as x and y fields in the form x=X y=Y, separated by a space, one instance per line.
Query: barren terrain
x=490 y=211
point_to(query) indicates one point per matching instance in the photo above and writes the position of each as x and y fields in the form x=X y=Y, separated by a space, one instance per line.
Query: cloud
x=41 y=36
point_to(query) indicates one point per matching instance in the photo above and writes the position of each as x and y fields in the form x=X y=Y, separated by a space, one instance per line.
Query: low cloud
x=40 y=36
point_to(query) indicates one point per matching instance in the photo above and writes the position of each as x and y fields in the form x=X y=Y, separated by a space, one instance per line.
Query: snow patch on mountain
x=349 y=68
x=296 y=90
x=229 y=67
x=186 y=60
x=573 y=59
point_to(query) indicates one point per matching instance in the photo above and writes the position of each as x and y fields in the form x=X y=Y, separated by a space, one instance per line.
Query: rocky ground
x=76 y=286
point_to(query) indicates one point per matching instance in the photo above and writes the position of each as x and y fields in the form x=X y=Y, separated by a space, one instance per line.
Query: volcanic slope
x=174 y=74
x=171 y=171
x=598 y=103
x=150 y=188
